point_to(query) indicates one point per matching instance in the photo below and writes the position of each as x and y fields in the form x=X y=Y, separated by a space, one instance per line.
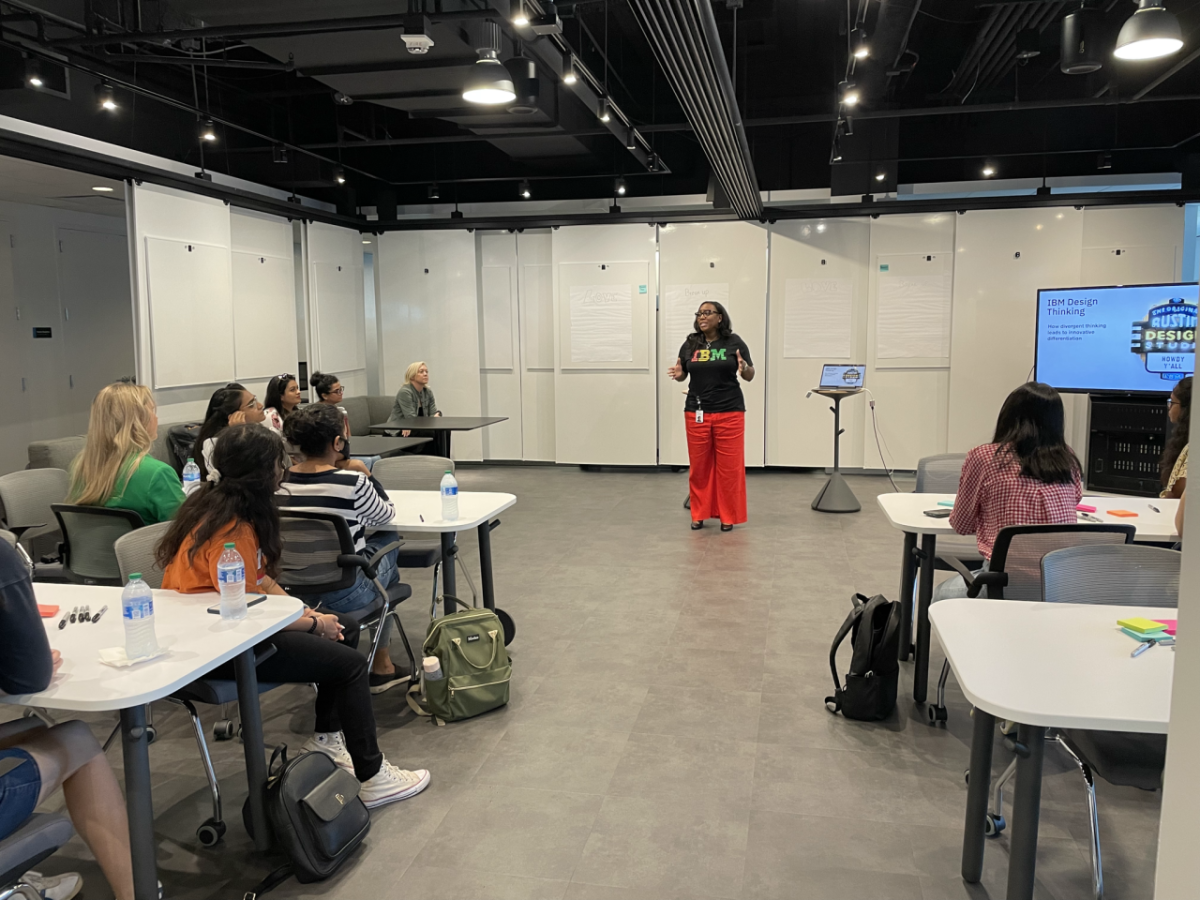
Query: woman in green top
x=114 y=470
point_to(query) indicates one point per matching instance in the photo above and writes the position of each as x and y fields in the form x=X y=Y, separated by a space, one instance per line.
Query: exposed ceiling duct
x=684 y=36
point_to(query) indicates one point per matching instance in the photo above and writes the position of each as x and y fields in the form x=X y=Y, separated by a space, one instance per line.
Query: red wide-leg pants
x=717 y=479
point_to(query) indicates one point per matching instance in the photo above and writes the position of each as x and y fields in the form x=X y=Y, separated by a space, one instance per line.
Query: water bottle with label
x=449 y=497
x=231 y=577
x=137 y=612
x=191 y=475
x=433 y=668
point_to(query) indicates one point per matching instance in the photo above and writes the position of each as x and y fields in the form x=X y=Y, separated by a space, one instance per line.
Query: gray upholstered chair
x=27 y=496
x=41 y=835
x=57 y=453
x=360 y=415
x=939 y=474
x=380 y=407
x=1129 y=575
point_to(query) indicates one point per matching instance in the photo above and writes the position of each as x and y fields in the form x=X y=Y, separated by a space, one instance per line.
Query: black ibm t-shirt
x=713 y=370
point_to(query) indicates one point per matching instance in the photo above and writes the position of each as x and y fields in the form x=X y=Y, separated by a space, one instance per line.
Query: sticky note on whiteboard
x=641 y=289
x=883 y=267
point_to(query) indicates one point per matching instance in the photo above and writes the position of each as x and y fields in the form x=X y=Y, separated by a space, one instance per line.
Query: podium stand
x=836 y=496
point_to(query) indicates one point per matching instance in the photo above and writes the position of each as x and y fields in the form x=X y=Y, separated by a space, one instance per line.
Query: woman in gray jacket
x=415 y=399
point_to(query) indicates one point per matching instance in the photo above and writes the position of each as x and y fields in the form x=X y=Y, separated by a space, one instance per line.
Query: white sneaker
x=333 y=745
x=391 y=783
x=54 y=887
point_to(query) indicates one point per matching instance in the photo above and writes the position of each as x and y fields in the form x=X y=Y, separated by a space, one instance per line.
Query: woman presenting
x=715 y=416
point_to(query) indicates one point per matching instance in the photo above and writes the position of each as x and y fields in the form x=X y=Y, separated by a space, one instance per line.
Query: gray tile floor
x=666 y=736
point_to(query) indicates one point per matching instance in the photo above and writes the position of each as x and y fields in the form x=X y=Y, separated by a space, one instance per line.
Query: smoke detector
x=417 y=44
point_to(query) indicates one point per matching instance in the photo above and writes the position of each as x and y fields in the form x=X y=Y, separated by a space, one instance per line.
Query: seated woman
x=37 y=760
x=114 y=469
x=229 y=407
x=283 y=396
x=212 y=401
x=1173 y=467
x=317 y=648
x=1026 y=476
x=414 y=400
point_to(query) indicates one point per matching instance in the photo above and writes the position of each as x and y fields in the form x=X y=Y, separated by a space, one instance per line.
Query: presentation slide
x=1136 y=338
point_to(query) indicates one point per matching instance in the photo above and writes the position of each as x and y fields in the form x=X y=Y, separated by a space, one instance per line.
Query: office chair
x=940 y=475
x=89 y=533
x=319 y=557
x=26 y=497
x=135 y=553
x=41 y=835
x=1131 y=575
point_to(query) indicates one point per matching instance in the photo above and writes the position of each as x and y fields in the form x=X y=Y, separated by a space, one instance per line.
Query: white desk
x=1044 y=665
x=420 y=512
x=906 y=513
x=198 y=642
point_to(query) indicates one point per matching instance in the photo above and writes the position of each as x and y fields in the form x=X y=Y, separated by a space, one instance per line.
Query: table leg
x=135 y=748
x=907 y=574
x=252 y=734
x=1027 y=802
x=978 y=789
x=485 y=564
x=448 y=573
x=924 y=596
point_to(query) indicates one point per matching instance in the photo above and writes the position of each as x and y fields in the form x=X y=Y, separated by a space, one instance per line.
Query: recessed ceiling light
x=820 y=226
x=102 y=189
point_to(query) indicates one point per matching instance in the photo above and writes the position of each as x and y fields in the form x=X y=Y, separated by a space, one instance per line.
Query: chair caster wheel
x=937 y=714
x=993 y=825
x=210 y=833
x=151 y=734
x=224 y=730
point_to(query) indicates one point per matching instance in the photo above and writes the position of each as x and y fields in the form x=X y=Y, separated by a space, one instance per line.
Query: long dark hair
x=224 y=403
x=322 y=383
x=215 y=398
x=276 y=388
x=1030 y=430
x=1179 y=431
x=314 y=428
x=251 y=460
x=724 y=330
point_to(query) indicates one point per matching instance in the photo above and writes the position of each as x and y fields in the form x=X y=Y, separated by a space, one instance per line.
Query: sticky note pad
x=1083 y=507
x=47 y=611
x=1140 y=625
x=1146 y=638
x=1122 y=513
x=1170 y=623
x=945 y=503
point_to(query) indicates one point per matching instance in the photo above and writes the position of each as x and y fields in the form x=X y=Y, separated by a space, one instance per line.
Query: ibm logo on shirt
x=709 y=355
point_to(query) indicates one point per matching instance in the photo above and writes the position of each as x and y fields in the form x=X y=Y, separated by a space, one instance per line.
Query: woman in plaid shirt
x=1026 y=476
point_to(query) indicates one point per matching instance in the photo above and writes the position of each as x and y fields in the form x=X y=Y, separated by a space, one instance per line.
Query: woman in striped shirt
x=326 y=482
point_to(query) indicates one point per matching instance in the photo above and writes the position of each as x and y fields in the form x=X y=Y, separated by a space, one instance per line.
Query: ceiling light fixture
x=104 y=96
x=1083 y=36
x=652 y=162
x=1029 y=43
x=365 y=241
x=988 y=171
x=33 y=73
x=103 y=190
x=208 y=131
x=631 y=141
x=548 y=22
x=619 y=187
x=849 y=93
x=342 y=99
x=339 y=174
x=520 y=19
x=820 y=227
x=858 y=44
x=524 y=191
x=434 y=193
x=1150 y=33
x=605 y=115
x=569 y=76
x=279 y=154
x=881 y=176
x=489 y=83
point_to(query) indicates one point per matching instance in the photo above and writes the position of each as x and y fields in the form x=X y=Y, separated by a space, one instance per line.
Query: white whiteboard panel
x=191 y=306
x=497 y=317
x=617 y=293
x=338 y=291
x=539 y=316
x=816 y=318
x=912 y=313
x=680 y=302
x=264 y=315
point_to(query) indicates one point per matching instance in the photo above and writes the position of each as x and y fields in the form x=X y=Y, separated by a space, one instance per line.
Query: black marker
x=96 y=617
x=62 y=622
x=74 y=616
x=86 y=615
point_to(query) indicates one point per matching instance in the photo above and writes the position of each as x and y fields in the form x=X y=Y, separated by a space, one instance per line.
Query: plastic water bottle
x=137 y=611
x=191 y=475
x=231 y=575
x=449 y=497
x=433 y=668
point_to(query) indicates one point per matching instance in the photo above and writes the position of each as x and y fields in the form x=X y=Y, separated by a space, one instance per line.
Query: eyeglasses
x=705 y=313
x=340 y=390
x=1171 y=401
x=286 y=377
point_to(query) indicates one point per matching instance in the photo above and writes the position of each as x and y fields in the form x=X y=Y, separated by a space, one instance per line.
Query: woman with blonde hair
x=414 y=399
x=114 y=469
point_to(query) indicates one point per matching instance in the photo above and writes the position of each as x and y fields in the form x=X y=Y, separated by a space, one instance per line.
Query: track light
x=339 y=174
x=1150 y=33
x=33 y=73
x=821 y=227
x=880 y=176
x=520 y=19
x=849 y=93
x=858 y=44
x=524 y=191
x=619 y=187
x=988 y=171
x=489 y=83
x=652 y=162
x=631 y=138
x=208 y=131
x=569 y=76
x=279 y=154
x=434 y=193
x=1083 y=36
x=100 y=189
x=1029 y=43
x=104 y=96
x=605 y=115
x=342 y=99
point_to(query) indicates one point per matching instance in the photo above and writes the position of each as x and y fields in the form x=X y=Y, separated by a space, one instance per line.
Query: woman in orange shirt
x=316 y=648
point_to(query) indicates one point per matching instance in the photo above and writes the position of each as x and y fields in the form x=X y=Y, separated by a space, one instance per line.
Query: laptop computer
x=842 y=377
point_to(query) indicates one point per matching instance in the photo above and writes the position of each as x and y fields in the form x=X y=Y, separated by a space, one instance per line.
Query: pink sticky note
x=1170 y=623
x=1083 y=507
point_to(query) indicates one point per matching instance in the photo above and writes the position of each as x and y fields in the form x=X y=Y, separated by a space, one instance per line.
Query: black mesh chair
x=89 y=533
x=319 y=557
x=1132 y=575
x=40 y=836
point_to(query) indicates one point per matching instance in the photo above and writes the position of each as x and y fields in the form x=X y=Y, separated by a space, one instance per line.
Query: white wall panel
x=429 y=311
x=264 y=315
x=732 y=253
x=535 y=302
x=799 y=430
x=606 y=416
x=500 y=372
x=337 y=319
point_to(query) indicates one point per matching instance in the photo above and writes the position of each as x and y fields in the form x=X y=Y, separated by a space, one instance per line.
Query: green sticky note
x=883 y=267
x=641 y=289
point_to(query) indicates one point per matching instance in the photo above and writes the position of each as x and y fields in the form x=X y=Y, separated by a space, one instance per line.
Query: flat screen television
x=1137 y=339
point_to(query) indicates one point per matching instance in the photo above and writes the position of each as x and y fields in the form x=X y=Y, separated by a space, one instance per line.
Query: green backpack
x=475 y=666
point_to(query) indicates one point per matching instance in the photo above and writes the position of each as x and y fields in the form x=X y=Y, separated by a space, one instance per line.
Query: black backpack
x=181 y=440
x=870 y=691
x=316 y=816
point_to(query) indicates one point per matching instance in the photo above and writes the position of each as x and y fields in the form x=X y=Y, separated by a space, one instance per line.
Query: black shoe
x=696 y=526
x=381 y=683
x=725 y=527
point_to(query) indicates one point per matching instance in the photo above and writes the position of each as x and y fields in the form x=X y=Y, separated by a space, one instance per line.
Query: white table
x=420 y=512
x=198 y=642
x=906 y=513
x=1044 y=665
